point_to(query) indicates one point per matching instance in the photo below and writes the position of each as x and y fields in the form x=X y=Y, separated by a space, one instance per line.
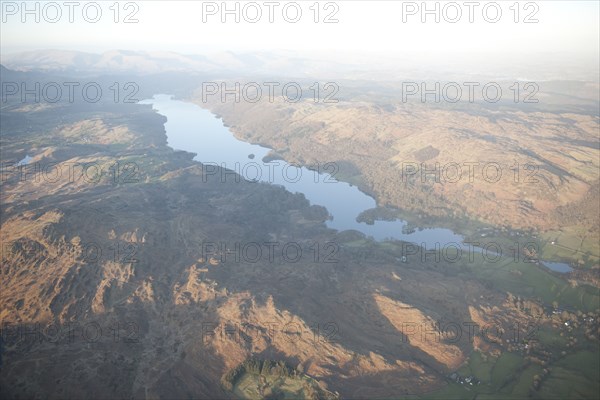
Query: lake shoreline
x=247 y=154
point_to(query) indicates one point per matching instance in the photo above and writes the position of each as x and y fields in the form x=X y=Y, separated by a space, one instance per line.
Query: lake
x=196 y=130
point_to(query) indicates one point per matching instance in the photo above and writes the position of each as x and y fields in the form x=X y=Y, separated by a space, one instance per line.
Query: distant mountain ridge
x=331 y=65
x=143 y=62
x=115 y=60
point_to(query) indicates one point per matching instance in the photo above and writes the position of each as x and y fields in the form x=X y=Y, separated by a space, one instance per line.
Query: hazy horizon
x=560 y=37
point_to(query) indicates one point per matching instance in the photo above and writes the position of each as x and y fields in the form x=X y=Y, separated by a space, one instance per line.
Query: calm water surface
x=194 y=129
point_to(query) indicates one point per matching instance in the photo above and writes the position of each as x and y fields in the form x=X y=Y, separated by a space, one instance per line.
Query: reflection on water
x=558 y=267
x=196 y=130
x=25 y=160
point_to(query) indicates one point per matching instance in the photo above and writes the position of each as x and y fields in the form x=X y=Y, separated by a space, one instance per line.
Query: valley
x=129 y=267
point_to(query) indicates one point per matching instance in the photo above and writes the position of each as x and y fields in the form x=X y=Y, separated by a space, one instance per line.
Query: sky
x=391 y=27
